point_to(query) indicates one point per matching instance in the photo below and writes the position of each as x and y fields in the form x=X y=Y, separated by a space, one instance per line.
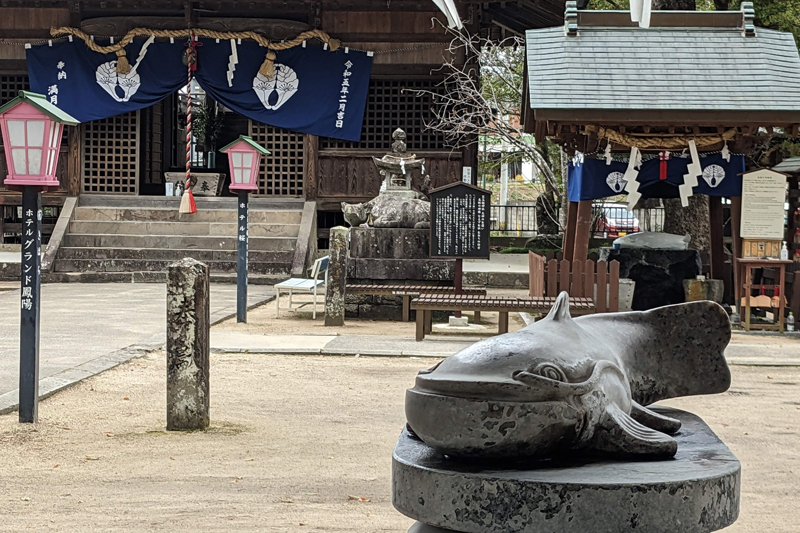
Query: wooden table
x=745 y=268
x=427 y=304
x=408 y=292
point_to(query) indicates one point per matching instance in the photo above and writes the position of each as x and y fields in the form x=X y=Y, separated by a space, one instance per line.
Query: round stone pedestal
x=696 y=492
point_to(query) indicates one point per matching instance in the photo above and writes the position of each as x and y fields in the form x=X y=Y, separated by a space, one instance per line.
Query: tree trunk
x=692 y=220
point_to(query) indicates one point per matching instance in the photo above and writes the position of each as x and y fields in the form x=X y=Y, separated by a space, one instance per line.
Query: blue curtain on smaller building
x=593 y=179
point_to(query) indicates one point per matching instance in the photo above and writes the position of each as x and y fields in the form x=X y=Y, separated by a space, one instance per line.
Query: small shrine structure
x=697 y=88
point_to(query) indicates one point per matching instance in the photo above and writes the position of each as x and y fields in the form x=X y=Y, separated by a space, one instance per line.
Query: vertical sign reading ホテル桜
x=763 y=204
x=460 y=216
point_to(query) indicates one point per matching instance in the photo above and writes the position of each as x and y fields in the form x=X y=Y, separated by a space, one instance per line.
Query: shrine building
x=122 y=226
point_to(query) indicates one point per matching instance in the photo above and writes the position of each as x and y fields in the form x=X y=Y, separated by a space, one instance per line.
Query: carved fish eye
x=550 y=371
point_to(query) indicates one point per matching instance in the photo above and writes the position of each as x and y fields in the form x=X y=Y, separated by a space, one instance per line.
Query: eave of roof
x=663 y=73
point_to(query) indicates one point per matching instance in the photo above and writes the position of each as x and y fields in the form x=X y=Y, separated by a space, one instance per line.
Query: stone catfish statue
x=565 y=384
x=388 y=211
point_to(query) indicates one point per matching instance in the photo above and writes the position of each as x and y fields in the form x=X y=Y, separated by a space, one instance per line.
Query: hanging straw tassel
x=188 y=205
x=123 y=66
x=267 y=68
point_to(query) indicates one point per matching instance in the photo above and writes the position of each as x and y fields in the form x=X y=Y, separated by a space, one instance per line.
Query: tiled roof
x=708 y=69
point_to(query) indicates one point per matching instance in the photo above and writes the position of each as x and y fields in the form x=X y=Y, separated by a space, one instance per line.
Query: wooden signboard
x=460 y=221
x=763 y=210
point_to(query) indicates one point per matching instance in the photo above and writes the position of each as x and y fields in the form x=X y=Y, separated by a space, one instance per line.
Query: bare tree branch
x=482 y=99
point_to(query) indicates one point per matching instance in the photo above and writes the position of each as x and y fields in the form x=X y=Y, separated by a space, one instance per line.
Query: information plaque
x=763 y=200
x=460 y=216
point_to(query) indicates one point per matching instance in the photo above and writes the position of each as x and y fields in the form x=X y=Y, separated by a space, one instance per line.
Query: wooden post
x=583 y=229
x=568 y=245
x=74 y=170
x=311 y=152
x=782 y=298
x=716 y=251
x=736 y=248
x=459 y=281
x=30 y=297
x=241 y=264
x=188 y=327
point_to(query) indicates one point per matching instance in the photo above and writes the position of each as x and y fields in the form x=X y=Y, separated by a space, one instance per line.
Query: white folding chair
x=305 y=286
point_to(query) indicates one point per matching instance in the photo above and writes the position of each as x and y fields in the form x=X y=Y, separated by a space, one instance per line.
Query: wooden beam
x=717 y=252
x=736 y=220
x=311 y=177
x=568 y=246
x=74 y=173
x=583 y=229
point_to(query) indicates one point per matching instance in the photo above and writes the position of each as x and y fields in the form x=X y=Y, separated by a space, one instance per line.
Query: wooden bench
x=425 y=306
x=408 y=292
x=551 y=277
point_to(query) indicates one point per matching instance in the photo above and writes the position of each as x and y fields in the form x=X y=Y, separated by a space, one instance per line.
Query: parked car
x=614 y=220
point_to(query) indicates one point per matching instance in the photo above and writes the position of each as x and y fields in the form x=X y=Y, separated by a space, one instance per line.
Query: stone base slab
x=696 y=492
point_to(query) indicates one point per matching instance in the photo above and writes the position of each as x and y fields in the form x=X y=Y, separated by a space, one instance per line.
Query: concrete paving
x=747 y=350
x=87 y=328
x=499 y=263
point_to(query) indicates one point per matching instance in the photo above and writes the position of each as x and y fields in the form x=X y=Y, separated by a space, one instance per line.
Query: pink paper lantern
x=244 y=159
x=32 y=128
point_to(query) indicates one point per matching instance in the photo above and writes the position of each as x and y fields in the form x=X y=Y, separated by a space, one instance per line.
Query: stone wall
x=389 y=257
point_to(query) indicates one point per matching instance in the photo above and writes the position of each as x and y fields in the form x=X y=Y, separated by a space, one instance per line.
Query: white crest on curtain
x=616 y=181
x=641 y=11
x=276 y=90
x=121 y=87
x=713 y=174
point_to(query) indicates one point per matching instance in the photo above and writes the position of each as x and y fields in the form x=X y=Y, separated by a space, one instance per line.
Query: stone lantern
x=396 y=168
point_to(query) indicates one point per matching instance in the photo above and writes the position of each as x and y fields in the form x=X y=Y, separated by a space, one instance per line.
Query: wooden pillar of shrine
x=583 y=230
x=716 y=250
x=568 y=244
x=736 y=247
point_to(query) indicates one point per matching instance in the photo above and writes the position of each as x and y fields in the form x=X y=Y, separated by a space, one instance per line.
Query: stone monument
x=390 y=236
x=548 y=429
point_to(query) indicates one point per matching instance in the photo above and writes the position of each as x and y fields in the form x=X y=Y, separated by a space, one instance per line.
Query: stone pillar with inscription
x=188 y=324
x=337 y=278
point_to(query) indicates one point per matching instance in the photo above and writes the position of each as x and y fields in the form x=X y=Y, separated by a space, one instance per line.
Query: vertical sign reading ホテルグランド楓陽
x=460 y=216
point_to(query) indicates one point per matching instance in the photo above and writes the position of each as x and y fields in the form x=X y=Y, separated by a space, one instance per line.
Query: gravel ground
x=301 y=444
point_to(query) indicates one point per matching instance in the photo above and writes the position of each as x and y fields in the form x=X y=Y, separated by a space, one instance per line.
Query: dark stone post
x=241 y=266
x=30 y=303
x=337 y=277
x=188 y=324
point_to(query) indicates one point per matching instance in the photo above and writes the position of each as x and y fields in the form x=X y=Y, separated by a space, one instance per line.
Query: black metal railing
x=614 y=220
x=514 y=219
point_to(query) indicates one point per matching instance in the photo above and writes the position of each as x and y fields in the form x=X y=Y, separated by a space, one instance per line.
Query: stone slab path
x=88 y=328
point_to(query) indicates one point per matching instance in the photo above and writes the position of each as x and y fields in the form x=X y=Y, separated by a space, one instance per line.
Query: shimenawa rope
x=267 y=67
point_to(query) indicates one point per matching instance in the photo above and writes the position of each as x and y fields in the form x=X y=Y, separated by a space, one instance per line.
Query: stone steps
x=135 y=239
x=160 y=265
x=167 y=254
x=169 y=214
x=173 y=202
x=150 y=277
x=184 y=242
x=211 y=229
